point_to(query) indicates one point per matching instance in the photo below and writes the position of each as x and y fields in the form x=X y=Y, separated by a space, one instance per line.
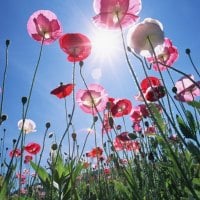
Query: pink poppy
x=106 y=125
x=15 y=153
x=77 y=46
x=28 y=158
x=121 y=107
x=95 y=152
x=92 y=100
x=136 y=127
x=32 y=148
x=186 y=89
x=150 y=131
x=113 y=13
x=125 y=144
x=152 y=89
x=43 y=26
x=136 y=114
x=63 y=90
x=166 y=54
x=133 y=146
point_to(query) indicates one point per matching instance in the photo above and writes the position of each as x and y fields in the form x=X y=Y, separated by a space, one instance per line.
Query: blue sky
x=181 y=24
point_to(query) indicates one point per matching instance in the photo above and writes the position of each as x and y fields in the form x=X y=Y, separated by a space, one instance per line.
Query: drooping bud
x=74 y=136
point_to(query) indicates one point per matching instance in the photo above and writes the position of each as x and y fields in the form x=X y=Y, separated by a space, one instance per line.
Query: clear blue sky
x=180 y=19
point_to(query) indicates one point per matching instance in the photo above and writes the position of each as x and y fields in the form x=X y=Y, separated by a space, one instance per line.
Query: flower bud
x=24 y=100
x=54 y=146
x=187 y=51
x=48 y=125
x=7 y=42
x=74 y=136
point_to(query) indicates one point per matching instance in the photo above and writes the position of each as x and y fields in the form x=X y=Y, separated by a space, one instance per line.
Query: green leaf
x=194 y=104
x=191 y=121
x=122 y=189
x=194 y=150
x=42 y=173
x=157 y=116
x=185 y=129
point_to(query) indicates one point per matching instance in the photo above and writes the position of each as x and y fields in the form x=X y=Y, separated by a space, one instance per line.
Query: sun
x=106 y=44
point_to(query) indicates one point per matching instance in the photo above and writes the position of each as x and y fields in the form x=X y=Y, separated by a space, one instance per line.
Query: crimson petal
x=63 y=90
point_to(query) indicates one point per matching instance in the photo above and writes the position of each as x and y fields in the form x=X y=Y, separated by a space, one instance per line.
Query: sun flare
x=106 y=44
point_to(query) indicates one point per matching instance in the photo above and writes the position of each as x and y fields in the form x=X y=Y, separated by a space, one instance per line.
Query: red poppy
x=123 y=137
x=15 y=153
x=95 y=152
x=63 y=90
x=152 y=89
x=76 y=45
x=32 y=148
x=28 y=158
x=122 y=107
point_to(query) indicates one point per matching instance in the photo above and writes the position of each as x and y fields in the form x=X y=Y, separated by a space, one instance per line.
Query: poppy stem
x=4 y=80
x=188 y=52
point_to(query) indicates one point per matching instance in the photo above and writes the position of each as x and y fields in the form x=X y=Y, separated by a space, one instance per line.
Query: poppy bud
x=50 y=135
x=14 y=141
x=151 y=156
x=146 y=124
x=129 y=49
x=81 y=63
x=3 y=118
x=118 y=127
x=95 y=118
x=187 y=51
x=54 y=146
x=74 y=136
x=48 y=125
x=174 y=90
x=108 y=105
x=24 y=100
x=7 y=42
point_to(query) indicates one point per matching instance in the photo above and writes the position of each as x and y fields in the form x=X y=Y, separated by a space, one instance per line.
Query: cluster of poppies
x=26 y=126
x=146 y=39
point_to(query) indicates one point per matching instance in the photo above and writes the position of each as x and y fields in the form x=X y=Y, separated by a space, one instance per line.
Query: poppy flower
x=139 y=35
x=106 y=124
x=63 y=90
x=92 y=100
x=28 y=158
x=125 y=143
x=28 y=126
x=133 y=146
x=166 y=54
x=121 y=107
x=186 y=89
x=113 y=13
x=43 y=26
x=106 y=171
x=152 y=89
x=123 y=137
x=15 y=153
x=95 y=152
x=77 y=46
x=150 y=131
x=32 y=148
